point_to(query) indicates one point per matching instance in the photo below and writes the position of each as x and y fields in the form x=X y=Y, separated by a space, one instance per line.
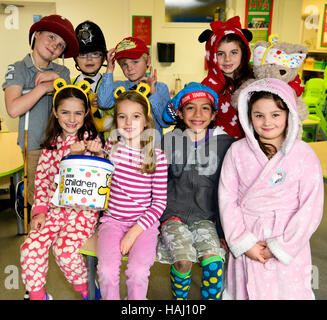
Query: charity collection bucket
x=84 y=182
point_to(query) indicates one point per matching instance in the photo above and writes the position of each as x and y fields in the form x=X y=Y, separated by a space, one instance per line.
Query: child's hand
x=111 y=61
x=77 y=148
x=47 y=86
x=224 y=244
x=127 y=242
x=151 y=80
x=38 y=222
x=256 y=253
x=94 y=100
x=266 y=253
x=46 y=76
x=95 y=147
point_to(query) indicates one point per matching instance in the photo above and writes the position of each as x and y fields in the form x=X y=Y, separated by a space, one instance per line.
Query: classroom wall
x=114 y=17
x=318 y=5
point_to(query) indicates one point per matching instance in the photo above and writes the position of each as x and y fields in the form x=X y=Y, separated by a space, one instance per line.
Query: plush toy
x=281 y=60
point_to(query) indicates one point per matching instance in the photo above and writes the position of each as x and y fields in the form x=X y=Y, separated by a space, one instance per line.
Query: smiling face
x=131 y=122
x=70 y=115
x=48 y=47
x=269 y=121
x=197 y=115
x=229 y=57
x=134 y=69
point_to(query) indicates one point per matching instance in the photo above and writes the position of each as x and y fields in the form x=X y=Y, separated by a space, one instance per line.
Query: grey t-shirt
x=23 y=73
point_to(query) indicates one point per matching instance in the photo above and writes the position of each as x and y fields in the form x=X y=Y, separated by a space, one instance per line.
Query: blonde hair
x=144 y=55
x=147 y=136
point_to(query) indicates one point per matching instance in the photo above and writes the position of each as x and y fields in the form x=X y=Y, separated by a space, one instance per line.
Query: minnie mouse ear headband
x=219 y=30
x=190 y=92
x=143 y=89
x=60 y=84
x=232 y=25
x=60 y=26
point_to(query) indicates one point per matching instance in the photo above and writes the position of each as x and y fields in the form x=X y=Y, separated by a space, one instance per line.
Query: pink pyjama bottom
x=65 y=230
x=140 y=259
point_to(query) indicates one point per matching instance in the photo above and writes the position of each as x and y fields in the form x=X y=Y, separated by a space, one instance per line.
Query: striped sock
x=180 y=283
x=212 y=278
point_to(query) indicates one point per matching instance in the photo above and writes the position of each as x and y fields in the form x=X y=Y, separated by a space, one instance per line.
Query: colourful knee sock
x=212 y=278
x=180 y=283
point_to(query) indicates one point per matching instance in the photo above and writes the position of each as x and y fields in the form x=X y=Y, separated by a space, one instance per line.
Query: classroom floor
x=11 y=286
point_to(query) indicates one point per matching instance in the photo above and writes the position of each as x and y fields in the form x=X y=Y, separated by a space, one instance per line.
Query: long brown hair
x=53 y=129
x=244 y=70
x=147 y=137
x=268 y=149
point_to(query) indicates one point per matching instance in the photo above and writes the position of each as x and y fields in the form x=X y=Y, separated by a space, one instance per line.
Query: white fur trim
x=244 y=245
x=278 y=252
x=218 y=131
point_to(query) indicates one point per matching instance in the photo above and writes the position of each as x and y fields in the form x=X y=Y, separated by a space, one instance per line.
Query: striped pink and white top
x=136 y=197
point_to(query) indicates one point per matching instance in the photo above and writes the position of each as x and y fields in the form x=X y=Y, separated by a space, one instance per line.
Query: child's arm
x=238 y=237
x=129 y=238
x=18 y=103
x=158 y=101
x=42 y=183
x=159 y=194
x=306 y=220
x=106 y=88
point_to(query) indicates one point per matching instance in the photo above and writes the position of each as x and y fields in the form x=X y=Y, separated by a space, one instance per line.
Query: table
x=320 y=148
x=11 y=164
x=11 y=157
x=311 y=124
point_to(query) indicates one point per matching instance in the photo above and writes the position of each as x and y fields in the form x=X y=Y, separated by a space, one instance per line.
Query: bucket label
x=84 y=187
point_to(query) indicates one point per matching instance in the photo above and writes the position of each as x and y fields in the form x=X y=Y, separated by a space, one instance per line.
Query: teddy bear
x=281 y=60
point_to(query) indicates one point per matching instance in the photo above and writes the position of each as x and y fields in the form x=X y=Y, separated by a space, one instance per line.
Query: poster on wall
x=141 y=28
x=258 y=16
x=324 y=29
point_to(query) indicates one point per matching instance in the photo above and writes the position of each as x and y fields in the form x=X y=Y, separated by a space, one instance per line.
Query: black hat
x=90 y=37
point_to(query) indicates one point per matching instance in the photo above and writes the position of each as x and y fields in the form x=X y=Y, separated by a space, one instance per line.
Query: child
x=195 y=151
x=90 y=59
x=70 y=130
x=270 y=198
x=133 y=57
x=29 y=82
x=137 y=197
x=227 y=55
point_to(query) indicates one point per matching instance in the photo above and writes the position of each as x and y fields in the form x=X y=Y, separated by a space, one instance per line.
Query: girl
x=137 y=197
x=227 y=56
x=69 y=130
x=195 y=150
x=270 y=198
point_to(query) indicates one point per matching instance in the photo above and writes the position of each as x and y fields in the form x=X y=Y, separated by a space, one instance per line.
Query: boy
x=29 y=82
x=90 y=59
x=133 y=57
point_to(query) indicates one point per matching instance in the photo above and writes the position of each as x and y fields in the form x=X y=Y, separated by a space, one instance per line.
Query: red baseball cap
x=131 y=48
x=62 y=27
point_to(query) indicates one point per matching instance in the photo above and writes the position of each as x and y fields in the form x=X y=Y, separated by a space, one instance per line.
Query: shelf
x=314 y=70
